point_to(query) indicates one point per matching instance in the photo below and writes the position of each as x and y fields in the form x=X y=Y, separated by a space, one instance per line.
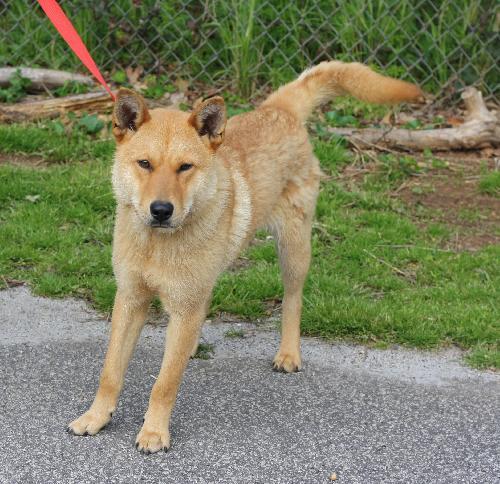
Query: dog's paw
x=287 y=362
x=89 y=423
x=151 y=441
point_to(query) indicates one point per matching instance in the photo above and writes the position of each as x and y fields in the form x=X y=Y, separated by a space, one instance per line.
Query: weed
x=120 y=77
x=413 y=124
x=157 y=86
x=393 y=169
x=90 y=123
x=490 y=183
x=16 y=89
x=349 y=106
x=70 y=87
x=433 y=162
x=204 y=351
x=234 y=333
x=236 y=28
x=336 y=119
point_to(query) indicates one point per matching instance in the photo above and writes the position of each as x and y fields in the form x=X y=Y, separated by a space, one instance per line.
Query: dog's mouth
x=167 y=227
x=161 y=225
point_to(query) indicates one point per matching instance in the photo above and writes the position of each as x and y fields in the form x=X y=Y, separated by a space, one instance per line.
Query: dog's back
x=270 y=145
x=267 y=147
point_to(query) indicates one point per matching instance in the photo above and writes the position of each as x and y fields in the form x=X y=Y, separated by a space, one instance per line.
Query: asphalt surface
x=369 y=416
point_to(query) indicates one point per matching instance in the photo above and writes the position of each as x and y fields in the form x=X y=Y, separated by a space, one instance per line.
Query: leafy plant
x=120 y=77
x=16 y=89
x=70 y=87
x=157 y=86
x=396 y=168
x=413 y=124
x=90 y=123
x=336 y=119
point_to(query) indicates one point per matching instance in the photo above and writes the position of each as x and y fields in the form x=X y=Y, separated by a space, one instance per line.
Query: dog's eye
x=185 y=167
x=144 y=164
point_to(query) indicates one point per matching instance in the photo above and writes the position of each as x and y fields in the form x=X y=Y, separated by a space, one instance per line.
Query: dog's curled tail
x=327 y=80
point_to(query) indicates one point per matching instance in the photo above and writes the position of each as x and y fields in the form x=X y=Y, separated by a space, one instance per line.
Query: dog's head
x=164 y=162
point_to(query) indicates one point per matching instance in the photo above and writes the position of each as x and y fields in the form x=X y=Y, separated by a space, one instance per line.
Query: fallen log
x=42 y=79
x=481 y=129
x=92 y=102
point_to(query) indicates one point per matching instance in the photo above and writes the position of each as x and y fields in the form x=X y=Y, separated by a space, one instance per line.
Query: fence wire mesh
x=252 y=45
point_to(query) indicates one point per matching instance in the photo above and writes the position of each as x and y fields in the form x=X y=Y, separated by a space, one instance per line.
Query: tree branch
x=480 y=129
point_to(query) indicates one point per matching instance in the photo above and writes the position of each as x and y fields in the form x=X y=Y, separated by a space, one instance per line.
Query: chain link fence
x=252 y=45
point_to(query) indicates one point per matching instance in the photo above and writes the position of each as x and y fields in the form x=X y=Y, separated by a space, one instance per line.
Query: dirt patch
x=451 y=196
x=30 y=161
x=448 y=195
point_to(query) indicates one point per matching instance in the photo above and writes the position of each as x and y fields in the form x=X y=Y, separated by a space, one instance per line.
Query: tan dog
x=191 y=193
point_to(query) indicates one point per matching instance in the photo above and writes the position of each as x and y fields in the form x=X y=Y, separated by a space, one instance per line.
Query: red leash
x=64 y=26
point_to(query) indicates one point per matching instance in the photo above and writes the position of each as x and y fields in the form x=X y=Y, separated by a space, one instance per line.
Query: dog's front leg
x=129 y=313
x=182 y=334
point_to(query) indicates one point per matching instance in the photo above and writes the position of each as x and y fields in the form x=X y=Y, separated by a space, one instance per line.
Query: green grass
x=236 y=28
x=53 y=143
x=490 y=183
x=61 y=240
x=484 y=357
x=250 y=43
x=375 y=277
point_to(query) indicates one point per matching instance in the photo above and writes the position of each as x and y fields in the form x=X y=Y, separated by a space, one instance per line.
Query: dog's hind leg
x=292 y=230
x=195 y=347
x=129 y=314
x=197 y=340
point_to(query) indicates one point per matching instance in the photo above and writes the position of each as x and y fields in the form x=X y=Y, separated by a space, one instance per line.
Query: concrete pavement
x=368 y=415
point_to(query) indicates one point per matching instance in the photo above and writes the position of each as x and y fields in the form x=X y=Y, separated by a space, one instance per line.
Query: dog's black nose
x=161 y=211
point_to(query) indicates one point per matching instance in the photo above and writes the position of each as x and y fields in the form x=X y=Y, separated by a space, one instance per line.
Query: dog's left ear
x=209 y=118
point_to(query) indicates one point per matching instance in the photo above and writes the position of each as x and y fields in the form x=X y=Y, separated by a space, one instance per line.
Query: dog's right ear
x=129 y=113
